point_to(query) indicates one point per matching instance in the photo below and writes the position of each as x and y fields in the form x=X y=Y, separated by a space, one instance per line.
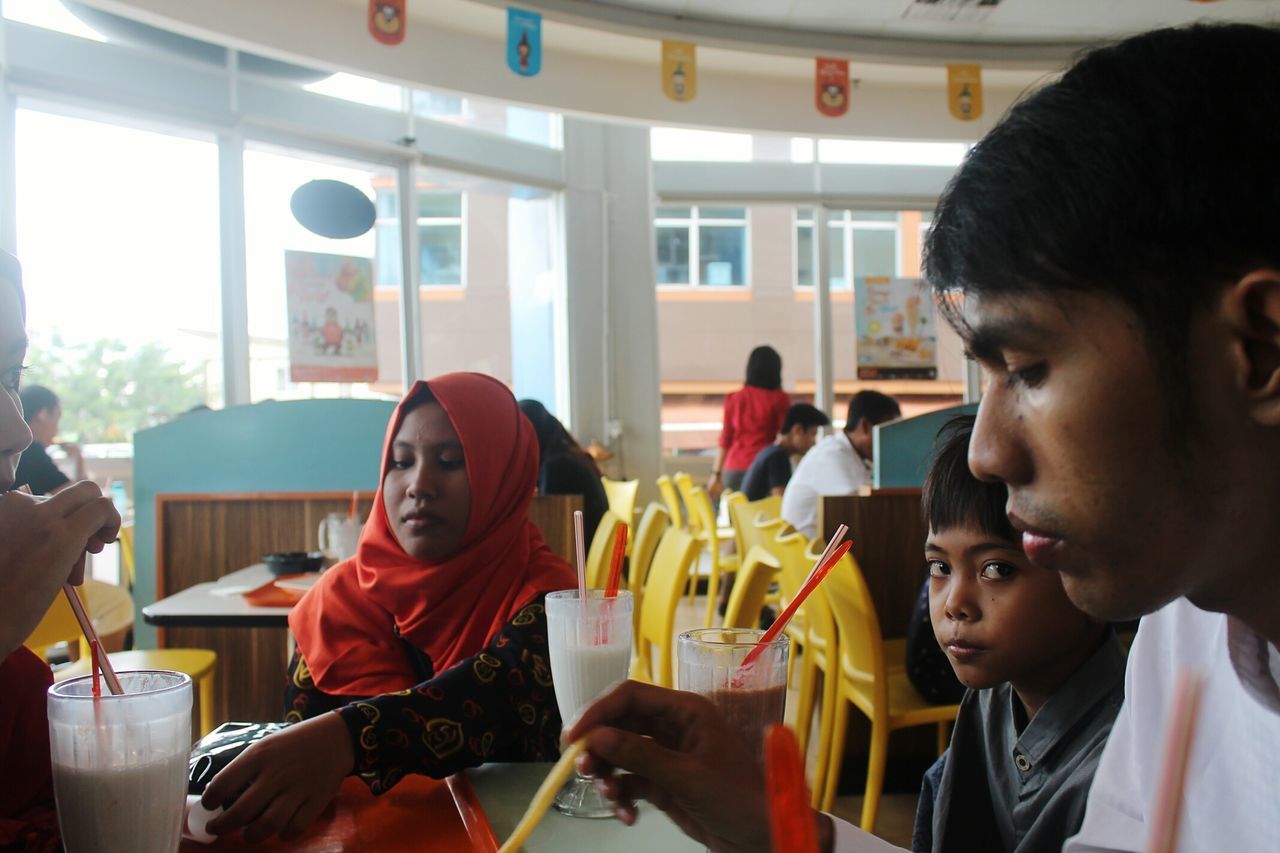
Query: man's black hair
x=37 y=399
x=805 y=415
x=1149 y=173
x=952 y=496
x=872 y=405
x=764 y=368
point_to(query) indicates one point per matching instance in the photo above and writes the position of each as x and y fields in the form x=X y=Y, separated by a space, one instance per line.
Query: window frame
x=460 y=220
x=848 y=227
x=693 y=224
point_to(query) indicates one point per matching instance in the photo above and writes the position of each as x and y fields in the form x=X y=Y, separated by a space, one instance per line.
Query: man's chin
x=1110 y=599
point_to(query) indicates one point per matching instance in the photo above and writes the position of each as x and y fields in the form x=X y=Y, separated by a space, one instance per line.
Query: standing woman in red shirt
x=752 y=419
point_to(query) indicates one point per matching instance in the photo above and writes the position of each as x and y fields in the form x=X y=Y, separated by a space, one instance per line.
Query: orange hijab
x=349 y=625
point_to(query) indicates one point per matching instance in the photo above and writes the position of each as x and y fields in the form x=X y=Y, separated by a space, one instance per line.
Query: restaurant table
x=219 y=604
x=474 y=815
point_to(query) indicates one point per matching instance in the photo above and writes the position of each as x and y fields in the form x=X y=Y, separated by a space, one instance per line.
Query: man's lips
x=1039 y=545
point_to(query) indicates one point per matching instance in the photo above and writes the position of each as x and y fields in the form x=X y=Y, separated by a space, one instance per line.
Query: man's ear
x=1251 y=308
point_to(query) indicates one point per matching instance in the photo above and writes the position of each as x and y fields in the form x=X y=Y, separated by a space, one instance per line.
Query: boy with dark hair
x=771 y=469
x=840 y=464
x=1045 y=680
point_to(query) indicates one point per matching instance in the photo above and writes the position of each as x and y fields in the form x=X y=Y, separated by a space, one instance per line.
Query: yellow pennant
x=680 y=70
x=964 y=91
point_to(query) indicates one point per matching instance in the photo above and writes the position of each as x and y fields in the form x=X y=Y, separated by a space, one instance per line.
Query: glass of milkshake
x=120 y=762
x=590 y=645
x=709 y=664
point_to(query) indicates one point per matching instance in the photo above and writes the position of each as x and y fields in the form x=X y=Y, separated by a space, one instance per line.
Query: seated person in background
x=564 y=468
x=426 y=652
x=1045 y=680
x=840 y=464
x=771 y=469
x=36 y=470
x=42 y=546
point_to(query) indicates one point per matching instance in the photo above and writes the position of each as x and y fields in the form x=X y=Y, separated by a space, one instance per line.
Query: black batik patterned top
x=497 y=705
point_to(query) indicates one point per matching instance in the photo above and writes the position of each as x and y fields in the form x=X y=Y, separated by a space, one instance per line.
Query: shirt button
x=1023 y=763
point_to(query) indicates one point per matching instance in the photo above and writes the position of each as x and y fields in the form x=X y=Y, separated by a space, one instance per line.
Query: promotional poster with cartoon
x=330 y=302
x=897 y=338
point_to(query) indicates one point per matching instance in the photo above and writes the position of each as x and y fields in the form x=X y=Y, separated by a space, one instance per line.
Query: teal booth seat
x=902 y=448
x=293 y=446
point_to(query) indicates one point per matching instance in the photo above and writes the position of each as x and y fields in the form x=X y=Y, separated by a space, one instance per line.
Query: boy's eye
x=996 y=571
x=938 y=569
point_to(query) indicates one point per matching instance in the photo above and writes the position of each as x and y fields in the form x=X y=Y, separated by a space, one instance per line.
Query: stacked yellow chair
x=600 y=555
x=653 y=524
x=671 y=499
x=621 y=495
x=821 y=650
x=758 y=571
x=671 y=563
x=59 y=625
x=872 y=677
x=699 y=505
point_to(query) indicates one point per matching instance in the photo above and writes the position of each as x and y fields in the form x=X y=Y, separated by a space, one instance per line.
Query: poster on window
x=897 y=338
x=330 y=304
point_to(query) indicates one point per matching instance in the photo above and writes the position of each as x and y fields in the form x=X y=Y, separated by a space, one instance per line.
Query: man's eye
x=938 y=569
x=996 y=571
x=1028 y=377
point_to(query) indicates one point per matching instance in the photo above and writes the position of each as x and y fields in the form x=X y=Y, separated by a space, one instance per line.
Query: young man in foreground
x=1116 y=240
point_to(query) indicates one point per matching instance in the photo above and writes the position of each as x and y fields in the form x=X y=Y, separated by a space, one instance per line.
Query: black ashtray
x=294 y=562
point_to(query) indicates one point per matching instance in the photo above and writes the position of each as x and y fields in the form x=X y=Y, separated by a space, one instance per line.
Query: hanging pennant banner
x=964 y=91
x=680 y=70
x=831 y=87
x=386 y=20
x=524 y=41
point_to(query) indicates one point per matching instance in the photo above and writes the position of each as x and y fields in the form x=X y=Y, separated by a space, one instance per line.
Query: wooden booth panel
x=203 y=537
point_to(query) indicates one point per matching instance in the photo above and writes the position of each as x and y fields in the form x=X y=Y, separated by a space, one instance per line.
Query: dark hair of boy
x=1189 y=208
x=805 y=415
x=37 y=399
x=764 y=368
x=952 y=496
x=872 y=405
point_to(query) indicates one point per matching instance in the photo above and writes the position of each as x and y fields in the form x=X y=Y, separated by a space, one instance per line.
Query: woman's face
x=426 y=492
x=14 y=433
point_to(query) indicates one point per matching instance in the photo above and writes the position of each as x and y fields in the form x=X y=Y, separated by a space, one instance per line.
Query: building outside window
x=702 y=246
x=440 y=239
x=862 y=243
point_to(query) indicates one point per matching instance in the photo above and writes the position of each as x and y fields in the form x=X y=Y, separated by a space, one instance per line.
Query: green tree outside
x=108 y=390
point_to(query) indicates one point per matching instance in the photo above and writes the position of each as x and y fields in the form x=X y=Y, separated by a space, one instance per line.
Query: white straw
x=831 y=546
x=579 y=540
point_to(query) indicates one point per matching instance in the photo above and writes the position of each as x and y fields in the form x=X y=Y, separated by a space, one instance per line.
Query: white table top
x=219 y=604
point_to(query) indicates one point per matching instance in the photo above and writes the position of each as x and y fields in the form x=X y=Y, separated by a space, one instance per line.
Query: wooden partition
x=201 y=537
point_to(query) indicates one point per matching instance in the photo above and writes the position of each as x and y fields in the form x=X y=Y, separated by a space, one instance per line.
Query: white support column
x=972 y=381
x=611 y=304
x=235 y=293
x=410 y=303
x=823 y=352
x=8 y=155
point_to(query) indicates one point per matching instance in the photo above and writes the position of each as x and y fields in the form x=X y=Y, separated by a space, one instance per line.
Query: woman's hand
x=281 y=783
x=715 y=486
x=43 y=541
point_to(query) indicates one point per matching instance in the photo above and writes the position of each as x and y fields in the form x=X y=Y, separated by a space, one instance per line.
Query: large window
x=702 y=246
x=862 y=243
x=440 y=238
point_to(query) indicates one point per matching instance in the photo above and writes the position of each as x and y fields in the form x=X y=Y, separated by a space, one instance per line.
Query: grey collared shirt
x=1005 y=790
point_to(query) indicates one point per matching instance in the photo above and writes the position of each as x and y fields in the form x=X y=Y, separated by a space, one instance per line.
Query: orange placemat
x=271 y=595
x=418 y=814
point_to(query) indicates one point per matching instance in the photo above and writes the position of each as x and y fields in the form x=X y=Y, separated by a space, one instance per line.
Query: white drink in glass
x=120 y=762
x=590 y=649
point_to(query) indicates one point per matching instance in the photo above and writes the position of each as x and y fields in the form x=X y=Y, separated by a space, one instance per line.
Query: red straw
x=615 y=567
x=82 y=616
x=355 y=497
x=93 y=666
x=815 y=577
x=1178 y=737
x=790 y=817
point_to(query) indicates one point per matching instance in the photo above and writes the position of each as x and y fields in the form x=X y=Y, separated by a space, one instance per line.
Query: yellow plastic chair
x=125 y=543
x=59 y=625
x=653 y=524
x=759 y=569
x=667 y=489
x=743 y=515
x=698 y=503
x=621 y=495
x=676 y=553
x=600 y=554
x=872 y=678
x=821 y=649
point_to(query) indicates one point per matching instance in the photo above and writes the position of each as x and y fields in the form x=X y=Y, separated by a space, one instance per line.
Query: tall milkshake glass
x=120 y=762
x=590 y=645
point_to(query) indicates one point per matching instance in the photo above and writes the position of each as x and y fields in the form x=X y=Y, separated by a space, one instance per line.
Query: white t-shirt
x=832 y=467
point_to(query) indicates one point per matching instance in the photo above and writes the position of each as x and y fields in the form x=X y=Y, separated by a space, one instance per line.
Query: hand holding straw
x=815 y=577
x=790 y=818
x=82 y=616
x=615 y=566
x=1179 y=735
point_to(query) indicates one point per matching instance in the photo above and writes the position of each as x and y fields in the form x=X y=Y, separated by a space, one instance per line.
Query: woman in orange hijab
x=430 y=644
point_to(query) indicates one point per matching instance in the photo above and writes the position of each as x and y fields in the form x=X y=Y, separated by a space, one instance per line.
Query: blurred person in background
x=43 y=412
x=565 y=468
x=753 y=418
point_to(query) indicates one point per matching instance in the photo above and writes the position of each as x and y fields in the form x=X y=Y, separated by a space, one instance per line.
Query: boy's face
x=1075 y=421
x=997 y=617
x=801 y=439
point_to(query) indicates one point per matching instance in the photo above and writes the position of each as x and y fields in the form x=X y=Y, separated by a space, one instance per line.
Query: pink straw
x=579 y=541
x=82 y=616
x=1178 y=738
